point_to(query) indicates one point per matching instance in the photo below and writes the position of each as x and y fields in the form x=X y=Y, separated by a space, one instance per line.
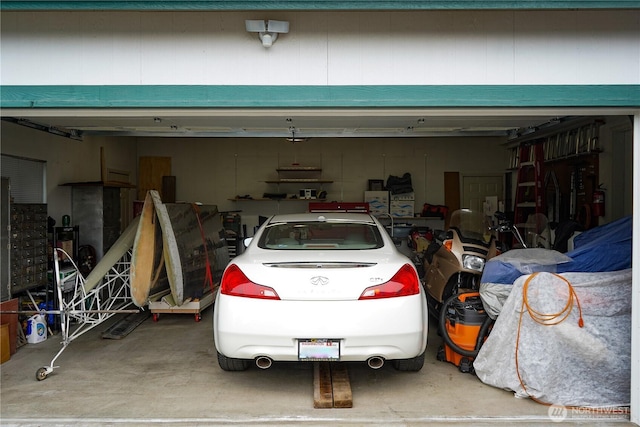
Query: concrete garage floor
x=166 y=373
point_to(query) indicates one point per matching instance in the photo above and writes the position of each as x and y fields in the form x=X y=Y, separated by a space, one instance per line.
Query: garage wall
x=213 y=171
x=616 y=167
x=68 y=160
x=322 y=48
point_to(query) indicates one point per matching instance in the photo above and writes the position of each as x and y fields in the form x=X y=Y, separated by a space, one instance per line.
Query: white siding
x=322 y=48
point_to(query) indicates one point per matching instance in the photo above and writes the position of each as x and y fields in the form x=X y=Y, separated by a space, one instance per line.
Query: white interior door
x=475 y=189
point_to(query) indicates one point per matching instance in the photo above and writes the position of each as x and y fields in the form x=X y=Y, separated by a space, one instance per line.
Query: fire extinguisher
x=598 y=201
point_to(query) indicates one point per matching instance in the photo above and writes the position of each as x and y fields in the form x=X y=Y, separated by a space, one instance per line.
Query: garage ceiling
x=299 y=123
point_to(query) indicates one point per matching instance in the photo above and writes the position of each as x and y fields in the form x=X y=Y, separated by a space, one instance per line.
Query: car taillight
x=234 y=282
x=404 y=282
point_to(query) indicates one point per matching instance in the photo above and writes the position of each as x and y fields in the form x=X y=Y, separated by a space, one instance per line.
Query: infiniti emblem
x=319 y=280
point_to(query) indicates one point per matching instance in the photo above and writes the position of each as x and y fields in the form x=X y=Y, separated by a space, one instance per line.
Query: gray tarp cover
x=517 y=262
x=564 y=364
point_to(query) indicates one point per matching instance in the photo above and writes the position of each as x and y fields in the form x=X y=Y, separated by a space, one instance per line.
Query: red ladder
x=530 y=197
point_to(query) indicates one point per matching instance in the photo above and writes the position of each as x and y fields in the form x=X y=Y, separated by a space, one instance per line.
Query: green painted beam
x=181 y=96
x=315 y=4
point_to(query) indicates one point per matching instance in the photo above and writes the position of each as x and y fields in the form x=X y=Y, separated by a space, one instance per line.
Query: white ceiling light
x=267 y=30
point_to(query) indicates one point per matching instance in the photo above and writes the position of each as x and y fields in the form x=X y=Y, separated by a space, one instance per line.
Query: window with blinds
x=28 y=178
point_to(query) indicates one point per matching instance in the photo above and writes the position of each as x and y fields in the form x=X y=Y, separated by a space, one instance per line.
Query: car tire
x=409 y=365
x=229 y=364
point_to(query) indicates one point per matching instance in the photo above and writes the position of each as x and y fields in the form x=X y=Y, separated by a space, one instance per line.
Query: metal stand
x=88 y=309
x=190 y=307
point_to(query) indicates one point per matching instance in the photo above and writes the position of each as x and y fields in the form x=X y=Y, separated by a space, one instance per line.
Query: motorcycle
x=454 y=260
x=505 y=226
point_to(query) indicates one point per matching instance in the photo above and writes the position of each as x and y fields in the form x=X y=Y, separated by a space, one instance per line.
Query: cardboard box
x=5 y=348
x=12 y=320
x=402 y=209
x=67 y=278
x=378 y=202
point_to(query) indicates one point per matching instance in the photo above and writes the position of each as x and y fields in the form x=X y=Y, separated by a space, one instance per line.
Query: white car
x=321 y=287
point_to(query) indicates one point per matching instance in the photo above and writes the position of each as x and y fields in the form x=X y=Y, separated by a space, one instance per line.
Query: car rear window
x=320 y=235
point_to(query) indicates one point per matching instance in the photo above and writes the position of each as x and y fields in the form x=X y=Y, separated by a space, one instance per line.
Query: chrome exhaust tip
x=263 y=362
x=375 y=362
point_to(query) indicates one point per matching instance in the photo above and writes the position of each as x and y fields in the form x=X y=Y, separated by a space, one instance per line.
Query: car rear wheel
x=409 y=365
x=229 y=364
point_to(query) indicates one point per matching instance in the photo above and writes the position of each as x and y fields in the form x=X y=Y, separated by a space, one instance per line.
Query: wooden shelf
x=100 y=184
x=299 y=181
x=299 y=169
x=300 y=175
x=262 y=199
x=303 y=176
x=526 y=205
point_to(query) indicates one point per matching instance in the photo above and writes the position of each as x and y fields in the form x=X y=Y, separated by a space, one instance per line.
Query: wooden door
x=150 y=174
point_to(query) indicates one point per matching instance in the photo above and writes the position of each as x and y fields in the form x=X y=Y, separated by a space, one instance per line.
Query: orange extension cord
x=545 y=320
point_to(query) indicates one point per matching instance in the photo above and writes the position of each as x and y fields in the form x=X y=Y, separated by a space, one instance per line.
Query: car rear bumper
x=393 y=328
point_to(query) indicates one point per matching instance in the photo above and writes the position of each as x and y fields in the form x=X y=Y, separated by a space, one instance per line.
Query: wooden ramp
x=125 y=326
x=331 y=386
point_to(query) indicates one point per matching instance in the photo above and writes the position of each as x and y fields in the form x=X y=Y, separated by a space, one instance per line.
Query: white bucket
x=36 y=329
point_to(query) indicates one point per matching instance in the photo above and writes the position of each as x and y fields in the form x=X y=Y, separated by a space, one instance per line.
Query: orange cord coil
x=554 y=318
x=545 y=319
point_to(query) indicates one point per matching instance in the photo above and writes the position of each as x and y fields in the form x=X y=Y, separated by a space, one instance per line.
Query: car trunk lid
x=322 y=277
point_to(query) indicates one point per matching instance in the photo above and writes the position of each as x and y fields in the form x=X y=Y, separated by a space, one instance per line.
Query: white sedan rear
x=320 y=287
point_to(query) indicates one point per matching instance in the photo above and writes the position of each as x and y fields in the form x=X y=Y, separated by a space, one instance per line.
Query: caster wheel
x=441 y=355
x=155 y=316
x=198 y=317
x=41 y=374
x=466 y=366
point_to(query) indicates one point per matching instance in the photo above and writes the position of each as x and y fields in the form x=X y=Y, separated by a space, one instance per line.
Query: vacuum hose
x=483 y=332
x=484 y=329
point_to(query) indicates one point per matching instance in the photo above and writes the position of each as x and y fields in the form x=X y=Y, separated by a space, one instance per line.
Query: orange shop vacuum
x=464 y=325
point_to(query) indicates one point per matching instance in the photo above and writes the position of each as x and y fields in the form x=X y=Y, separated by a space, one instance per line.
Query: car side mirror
x=247 y=241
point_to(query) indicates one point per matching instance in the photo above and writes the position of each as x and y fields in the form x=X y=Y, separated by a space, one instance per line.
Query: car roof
x=323 y=216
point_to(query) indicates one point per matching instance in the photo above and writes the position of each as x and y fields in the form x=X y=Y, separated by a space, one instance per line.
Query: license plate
x=318 y=350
